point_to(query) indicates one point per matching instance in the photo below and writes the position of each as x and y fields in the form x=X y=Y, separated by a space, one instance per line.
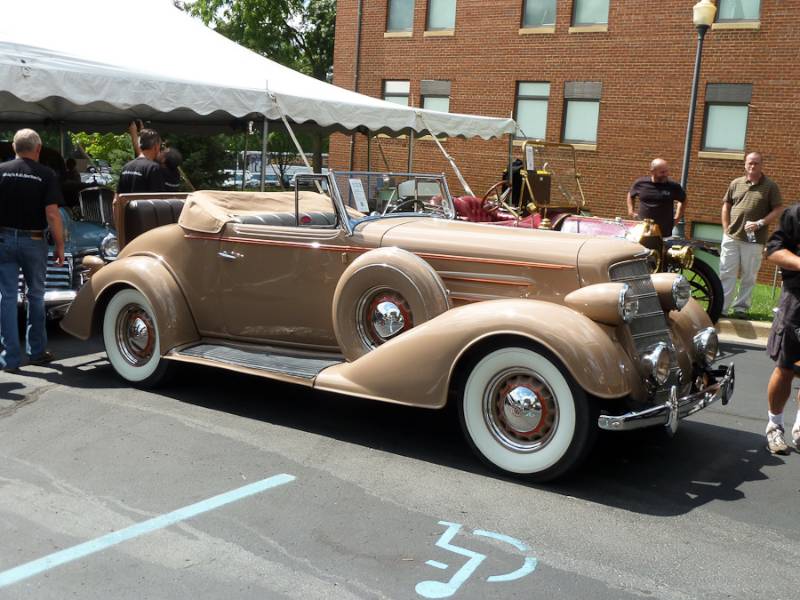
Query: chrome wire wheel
x=520 y=410
x=136 y=335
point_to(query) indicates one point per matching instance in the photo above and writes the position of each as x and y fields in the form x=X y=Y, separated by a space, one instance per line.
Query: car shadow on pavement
x=640 y=471
x=646 y=472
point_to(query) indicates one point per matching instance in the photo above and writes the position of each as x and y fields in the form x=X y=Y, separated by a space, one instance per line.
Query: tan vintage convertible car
x=368 y=286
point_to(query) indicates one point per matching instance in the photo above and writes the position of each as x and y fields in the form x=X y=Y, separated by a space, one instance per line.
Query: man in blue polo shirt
x=29 y=197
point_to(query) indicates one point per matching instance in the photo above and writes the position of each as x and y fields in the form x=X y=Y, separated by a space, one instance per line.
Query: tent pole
x=410 y=168
x=464 y=184
x=245 y=164
x=264 y=150
x=510 y=161
x=369 y=151
x=62 y=139
x=297 y=144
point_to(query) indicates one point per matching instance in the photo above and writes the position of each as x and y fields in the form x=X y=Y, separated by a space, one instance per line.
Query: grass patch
x=763 y=302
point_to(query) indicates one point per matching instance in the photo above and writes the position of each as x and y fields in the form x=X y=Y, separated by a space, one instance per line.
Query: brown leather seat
x=144 y=215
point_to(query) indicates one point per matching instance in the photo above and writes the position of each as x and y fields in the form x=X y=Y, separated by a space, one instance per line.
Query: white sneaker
x=796 y=436
x=776 y=444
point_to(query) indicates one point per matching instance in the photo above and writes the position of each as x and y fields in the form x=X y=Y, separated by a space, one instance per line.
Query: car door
x=279 y=277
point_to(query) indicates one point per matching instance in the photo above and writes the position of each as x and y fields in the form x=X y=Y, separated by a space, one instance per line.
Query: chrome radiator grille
x=96 y=205
x=650 y=326
x=57 y=278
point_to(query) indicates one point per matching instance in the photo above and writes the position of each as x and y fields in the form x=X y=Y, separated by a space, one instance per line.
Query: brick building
x=612 y=76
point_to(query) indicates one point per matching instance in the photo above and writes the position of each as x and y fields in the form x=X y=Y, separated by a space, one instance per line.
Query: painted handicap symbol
x=445 y=589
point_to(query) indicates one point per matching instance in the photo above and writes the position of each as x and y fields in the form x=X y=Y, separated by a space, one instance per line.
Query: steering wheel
x=405 y=203
x=493 y=204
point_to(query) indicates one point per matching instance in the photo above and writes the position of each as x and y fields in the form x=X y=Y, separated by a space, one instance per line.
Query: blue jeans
x=19 y=251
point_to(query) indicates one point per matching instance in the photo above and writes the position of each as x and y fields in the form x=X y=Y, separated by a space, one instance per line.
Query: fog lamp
x=656 y=363
x=706 y=345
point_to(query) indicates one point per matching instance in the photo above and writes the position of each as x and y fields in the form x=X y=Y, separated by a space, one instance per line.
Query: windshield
x=389 y=194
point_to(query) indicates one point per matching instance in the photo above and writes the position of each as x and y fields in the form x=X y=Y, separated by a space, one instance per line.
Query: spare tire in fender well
x=382 y=294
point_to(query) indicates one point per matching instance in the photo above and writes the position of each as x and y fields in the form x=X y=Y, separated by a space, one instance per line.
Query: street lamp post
x=703 y=17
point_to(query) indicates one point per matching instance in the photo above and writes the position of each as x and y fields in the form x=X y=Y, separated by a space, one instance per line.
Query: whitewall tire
x=523 y=414
x=130 y=335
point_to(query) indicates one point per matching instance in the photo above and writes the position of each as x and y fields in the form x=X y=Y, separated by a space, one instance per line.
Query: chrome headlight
x=681 y=292
x=628 y=305
x=706 y=345
x=656 y=363
x=109 y=247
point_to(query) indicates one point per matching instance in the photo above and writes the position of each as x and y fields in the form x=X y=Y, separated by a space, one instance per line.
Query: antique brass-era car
x=369 y=287
x=546 y=193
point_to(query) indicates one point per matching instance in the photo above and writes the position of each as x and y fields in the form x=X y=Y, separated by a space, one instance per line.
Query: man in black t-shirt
x=143 y=174
x=29 y=198
x=656 y=195
x=783 y=345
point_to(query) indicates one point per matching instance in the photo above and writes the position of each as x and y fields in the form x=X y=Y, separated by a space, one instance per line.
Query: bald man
x=657 y=195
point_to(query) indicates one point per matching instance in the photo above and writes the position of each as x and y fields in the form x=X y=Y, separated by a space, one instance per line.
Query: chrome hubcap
x=387 y=320
x=136 y=335
x=382 y=314
x=520 y=410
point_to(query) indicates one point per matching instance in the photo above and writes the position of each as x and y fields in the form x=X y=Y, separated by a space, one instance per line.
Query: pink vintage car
x=551 y=197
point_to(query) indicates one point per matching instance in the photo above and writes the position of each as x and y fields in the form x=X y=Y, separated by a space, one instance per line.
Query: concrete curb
x=754 y=333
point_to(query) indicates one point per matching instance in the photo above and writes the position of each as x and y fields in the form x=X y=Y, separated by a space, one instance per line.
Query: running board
x=260 y=361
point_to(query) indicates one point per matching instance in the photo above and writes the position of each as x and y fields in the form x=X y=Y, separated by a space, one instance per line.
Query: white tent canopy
x=97 y=64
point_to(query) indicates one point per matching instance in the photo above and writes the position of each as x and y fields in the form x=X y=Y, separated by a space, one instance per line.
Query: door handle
x=229 y=255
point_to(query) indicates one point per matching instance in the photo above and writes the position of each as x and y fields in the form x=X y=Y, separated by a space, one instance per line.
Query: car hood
x=526 y=248
x=82 y=235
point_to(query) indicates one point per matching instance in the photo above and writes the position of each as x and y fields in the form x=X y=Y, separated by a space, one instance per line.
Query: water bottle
x=751 y=236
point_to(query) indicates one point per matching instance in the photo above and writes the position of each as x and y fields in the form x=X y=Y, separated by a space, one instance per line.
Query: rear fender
x=152 y=278
x=417 y=367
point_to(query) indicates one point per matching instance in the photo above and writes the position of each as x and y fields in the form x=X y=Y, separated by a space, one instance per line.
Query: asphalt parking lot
x=221 y=485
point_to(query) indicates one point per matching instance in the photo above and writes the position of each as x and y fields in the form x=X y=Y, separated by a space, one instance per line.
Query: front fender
x=686 y=322
x=416 y=367
x=146 y=274
x=709 y=247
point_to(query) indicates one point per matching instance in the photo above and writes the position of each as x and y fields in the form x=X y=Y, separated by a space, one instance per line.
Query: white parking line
x=69 y=554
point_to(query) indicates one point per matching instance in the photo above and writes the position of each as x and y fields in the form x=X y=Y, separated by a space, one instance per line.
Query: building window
x=590 y=12
x=738 y=10
x=435 y=95
x=581 y=111
x=538 y=13
x=401 y=15
x=531 y=110
x=396 y=92
x=441 y=15
x=727 y=108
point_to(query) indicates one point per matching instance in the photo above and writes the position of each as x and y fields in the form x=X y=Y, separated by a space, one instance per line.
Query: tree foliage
x=114 y=148
x=296 y=33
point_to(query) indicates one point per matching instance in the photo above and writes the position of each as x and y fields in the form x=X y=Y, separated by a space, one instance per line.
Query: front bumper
x=669 y=413
x=56 y=302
